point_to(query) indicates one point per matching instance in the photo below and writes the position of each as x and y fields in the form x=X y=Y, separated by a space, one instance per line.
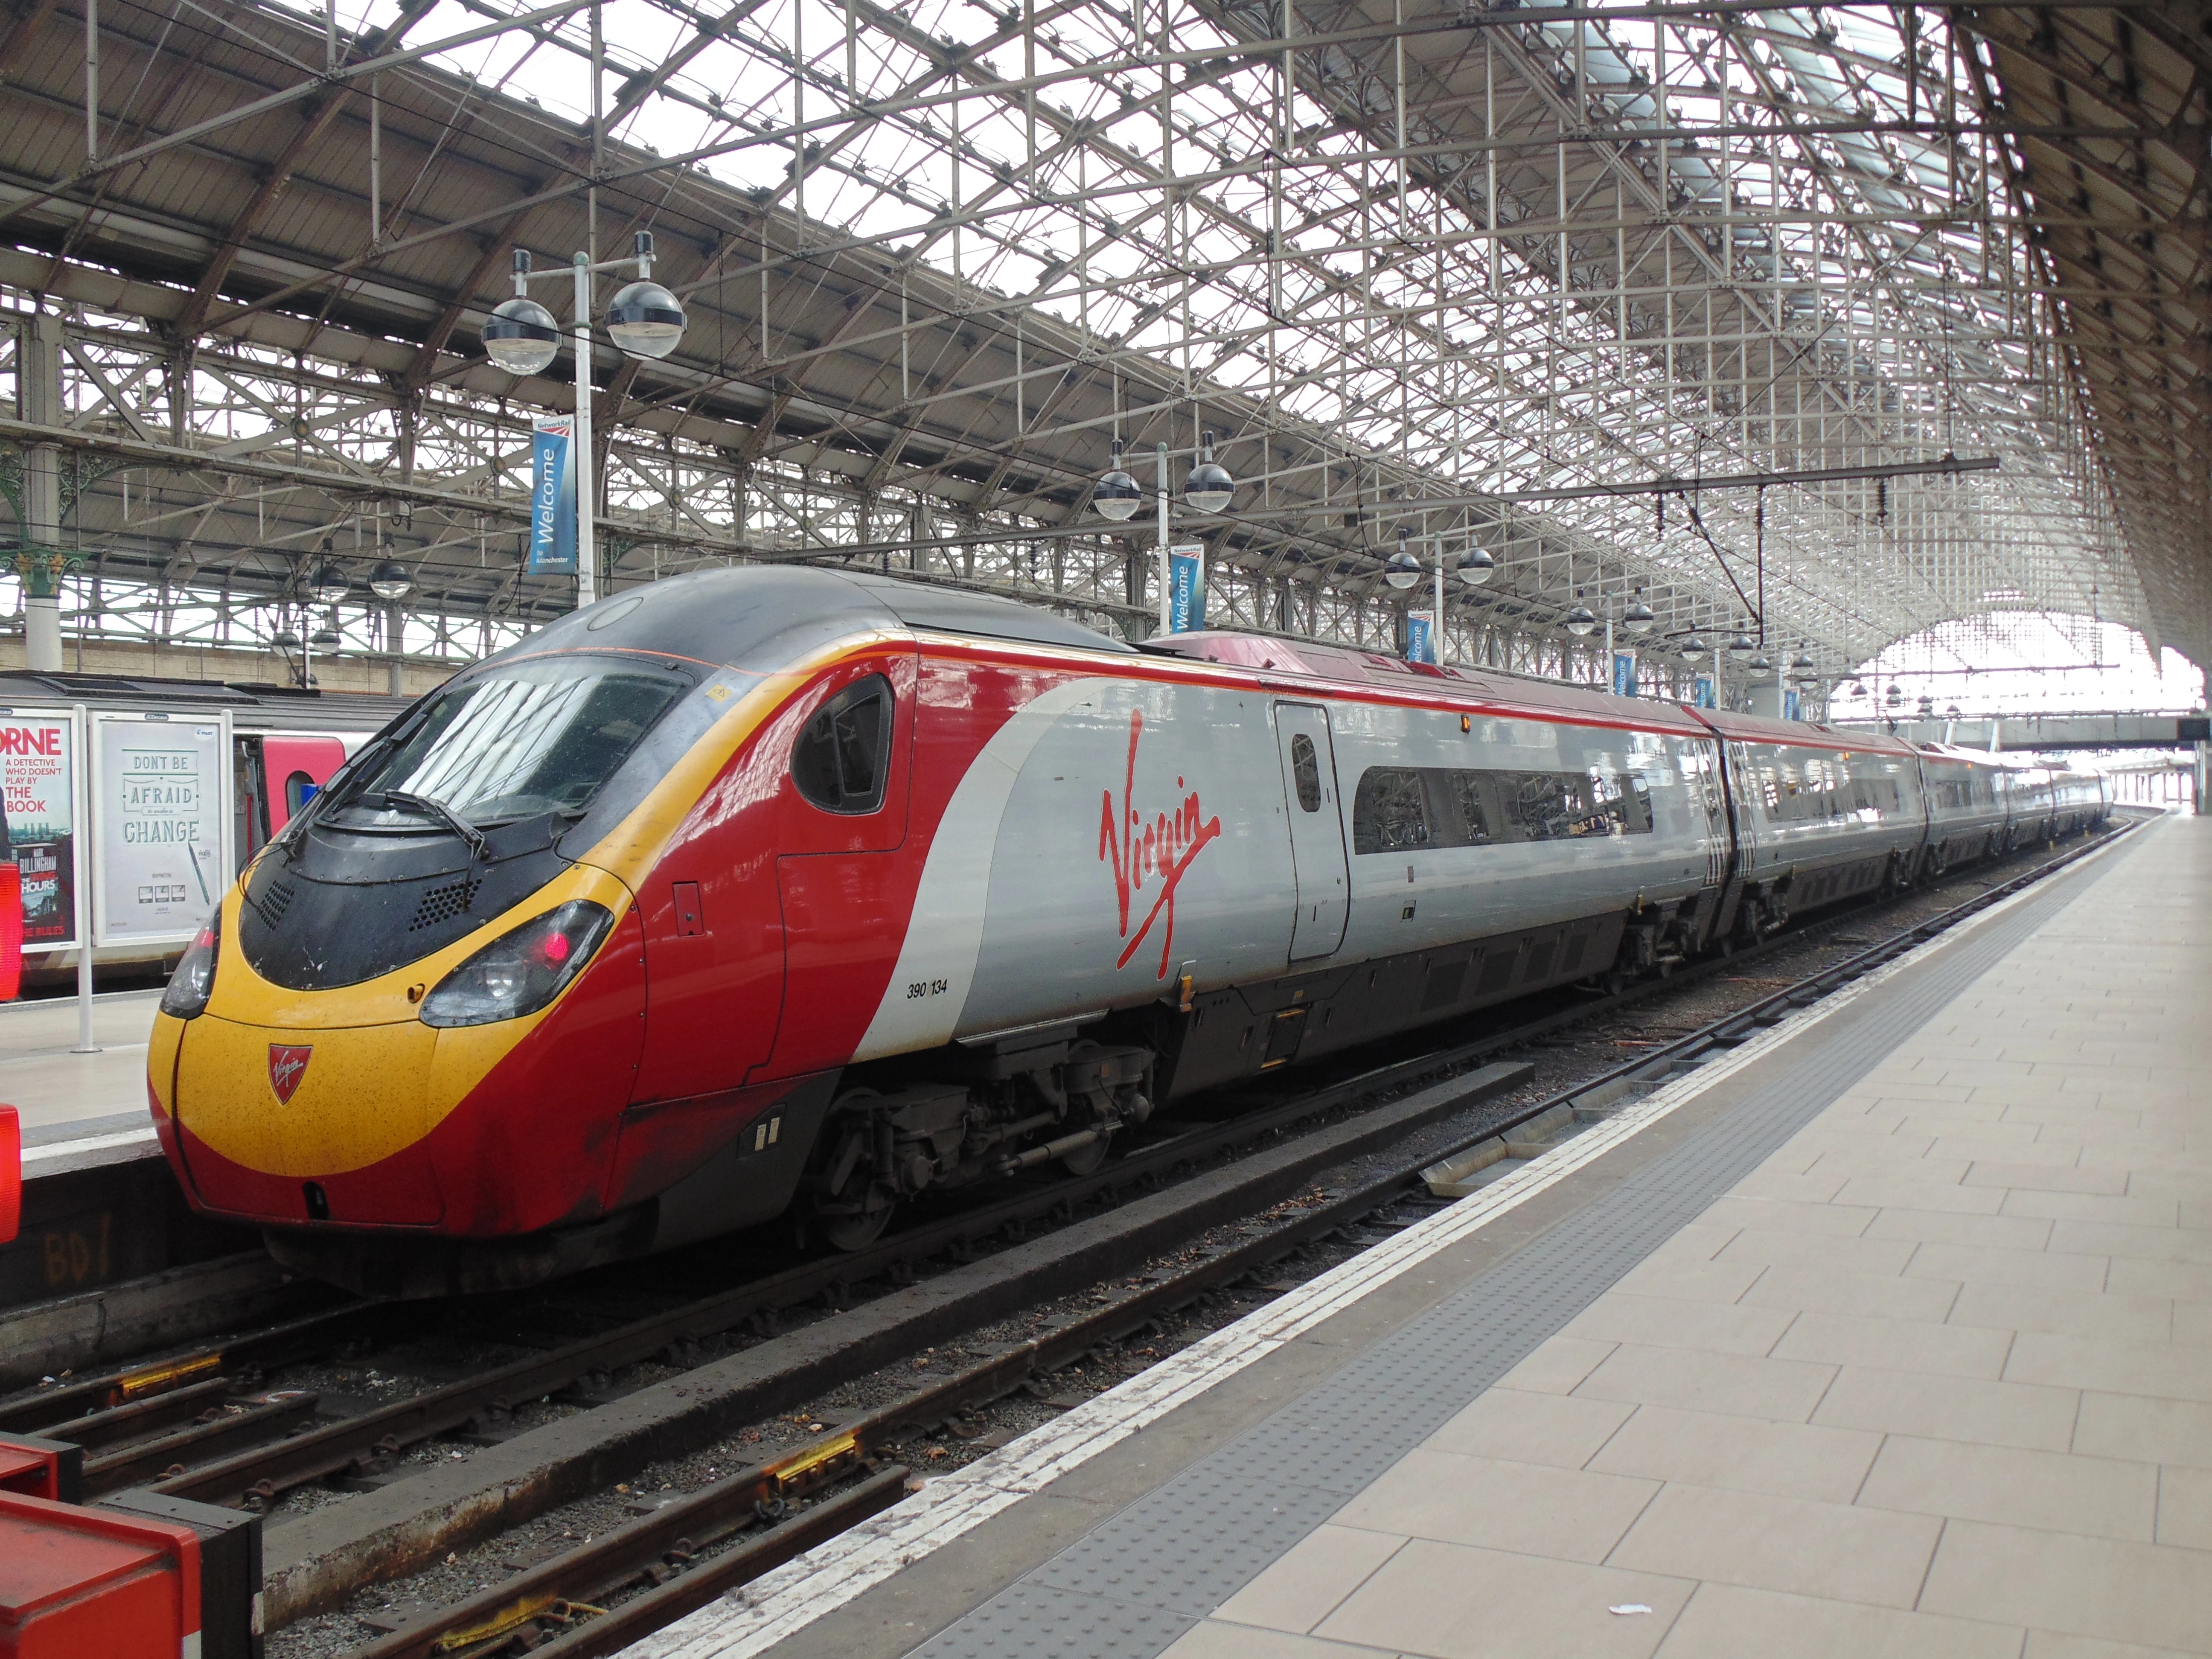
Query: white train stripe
x=944 y=930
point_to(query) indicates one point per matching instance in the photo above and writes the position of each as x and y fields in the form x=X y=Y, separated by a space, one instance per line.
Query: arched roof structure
x=1889 y=314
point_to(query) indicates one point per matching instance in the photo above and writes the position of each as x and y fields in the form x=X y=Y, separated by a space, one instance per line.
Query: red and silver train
x=778 y=887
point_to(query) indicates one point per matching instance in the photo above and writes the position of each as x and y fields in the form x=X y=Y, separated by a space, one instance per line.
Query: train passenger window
x=843 y=753
x=1398 y=807
x=1388 y=815
x=1549 y=806
x=298 y=790
x=1305 y=772
x=1465 y=819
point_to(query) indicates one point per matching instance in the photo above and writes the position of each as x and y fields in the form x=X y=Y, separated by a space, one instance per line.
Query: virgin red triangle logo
x=286 y=1067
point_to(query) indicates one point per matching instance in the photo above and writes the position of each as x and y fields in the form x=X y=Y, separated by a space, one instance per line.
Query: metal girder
x=1491 y=273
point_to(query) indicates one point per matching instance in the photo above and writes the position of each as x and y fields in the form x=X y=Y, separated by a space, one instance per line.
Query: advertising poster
x=1187 y=587
x=553 y=497
x=38 y=788
x=159 y=802
x=1417 y=637
x=1702 y=697
x=1624 y=673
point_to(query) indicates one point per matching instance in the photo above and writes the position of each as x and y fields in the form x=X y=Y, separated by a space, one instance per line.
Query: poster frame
x=72 y=716
x=95 y=774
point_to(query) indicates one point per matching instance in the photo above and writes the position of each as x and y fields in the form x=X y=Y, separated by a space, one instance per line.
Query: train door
x=1741 y=818
x=845 y=885
x=1709 y=786
x=1317 y=856
x=249 y=799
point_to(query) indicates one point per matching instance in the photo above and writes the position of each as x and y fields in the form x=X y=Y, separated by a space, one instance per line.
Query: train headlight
x=194 y=980
x=520 y=972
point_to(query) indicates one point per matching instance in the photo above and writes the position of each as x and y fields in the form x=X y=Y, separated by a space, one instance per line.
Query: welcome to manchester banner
x=553 y=497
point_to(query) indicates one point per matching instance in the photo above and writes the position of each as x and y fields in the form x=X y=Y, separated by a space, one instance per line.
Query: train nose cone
x=287 y=1125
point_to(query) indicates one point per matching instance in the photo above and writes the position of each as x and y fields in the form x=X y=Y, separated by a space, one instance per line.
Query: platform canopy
x=1824 y=325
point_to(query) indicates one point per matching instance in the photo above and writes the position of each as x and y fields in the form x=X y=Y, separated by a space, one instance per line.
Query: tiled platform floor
x=1936 y=1379
x=55 y=1090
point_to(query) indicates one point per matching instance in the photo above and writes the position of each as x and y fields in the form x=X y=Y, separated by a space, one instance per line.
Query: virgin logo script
x=286 y=1067
x=1155 y=853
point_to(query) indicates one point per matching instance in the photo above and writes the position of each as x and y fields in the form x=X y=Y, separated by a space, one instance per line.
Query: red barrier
x=76 y=1583
x=11 y=931
x=11 y=1174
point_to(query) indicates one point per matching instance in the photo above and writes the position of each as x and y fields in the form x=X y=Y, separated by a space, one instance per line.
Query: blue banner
x=1624 y=673
x=1790 y=706
x=553 y=498
x=1186 y=591
x=1703 y=696
x=1419 y=643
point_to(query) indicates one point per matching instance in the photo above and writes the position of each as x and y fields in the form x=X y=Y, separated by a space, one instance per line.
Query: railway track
x=658 y=1569
x=202 y=1424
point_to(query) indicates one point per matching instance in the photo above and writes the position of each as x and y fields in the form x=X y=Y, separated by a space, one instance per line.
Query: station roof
x=1535 y=279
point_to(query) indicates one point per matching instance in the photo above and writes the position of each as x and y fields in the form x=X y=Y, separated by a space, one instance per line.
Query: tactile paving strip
x=1134 y=1584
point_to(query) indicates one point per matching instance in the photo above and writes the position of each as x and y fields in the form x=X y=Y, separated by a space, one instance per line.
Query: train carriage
x=1968 y=809
x=780 y=885
x=1820 y=815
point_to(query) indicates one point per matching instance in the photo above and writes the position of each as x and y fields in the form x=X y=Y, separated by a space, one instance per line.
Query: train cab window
x=843 y=753
x=1388 y=814
x=538 y=735
x=1306 y=773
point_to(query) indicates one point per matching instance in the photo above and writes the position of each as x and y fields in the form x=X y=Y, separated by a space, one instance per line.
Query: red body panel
x=845 y=914
x=75 y=1582
x=531 y=1145
x=662 y=1143
x=283 y=758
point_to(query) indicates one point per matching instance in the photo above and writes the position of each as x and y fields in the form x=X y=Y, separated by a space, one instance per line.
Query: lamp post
x=1402 y=569
x=1209 y=488
x=644 y=319
x=390 y=582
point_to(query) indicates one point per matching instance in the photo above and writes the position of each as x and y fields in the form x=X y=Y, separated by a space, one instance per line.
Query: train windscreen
x=513 y=743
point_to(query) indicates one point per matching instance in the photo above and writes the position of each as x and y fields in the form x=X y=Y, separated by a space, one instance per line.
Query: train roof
x=1952 y=751
x=1352 y=666
x=252 y=707
x=1761 y=729
x=757 y=618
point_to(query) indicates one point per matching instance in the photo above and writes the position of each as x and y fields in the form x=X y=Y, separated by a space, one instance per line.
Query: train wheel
x=1083 y=1160
x=857 y=1231
x=852 y=1205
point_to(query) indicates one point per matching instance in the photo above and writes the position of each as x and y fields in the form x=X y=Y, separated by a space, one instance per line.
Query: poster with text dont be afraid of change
x=158 y=806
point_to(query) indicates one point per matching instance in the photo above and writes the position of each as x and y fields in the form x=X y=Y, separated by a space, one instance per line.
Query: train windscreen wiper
x=437 y=810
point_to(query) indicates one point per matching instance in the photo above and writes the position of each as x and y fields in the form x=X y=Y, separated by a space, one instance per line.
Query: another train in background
x=285 y=745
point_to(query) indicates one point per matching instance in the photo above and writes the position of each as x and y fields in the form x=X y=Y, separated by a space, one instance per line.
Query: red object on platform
x=11 y=931
x=11 y=1174
x=77 y=1581
x=39 y=1467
